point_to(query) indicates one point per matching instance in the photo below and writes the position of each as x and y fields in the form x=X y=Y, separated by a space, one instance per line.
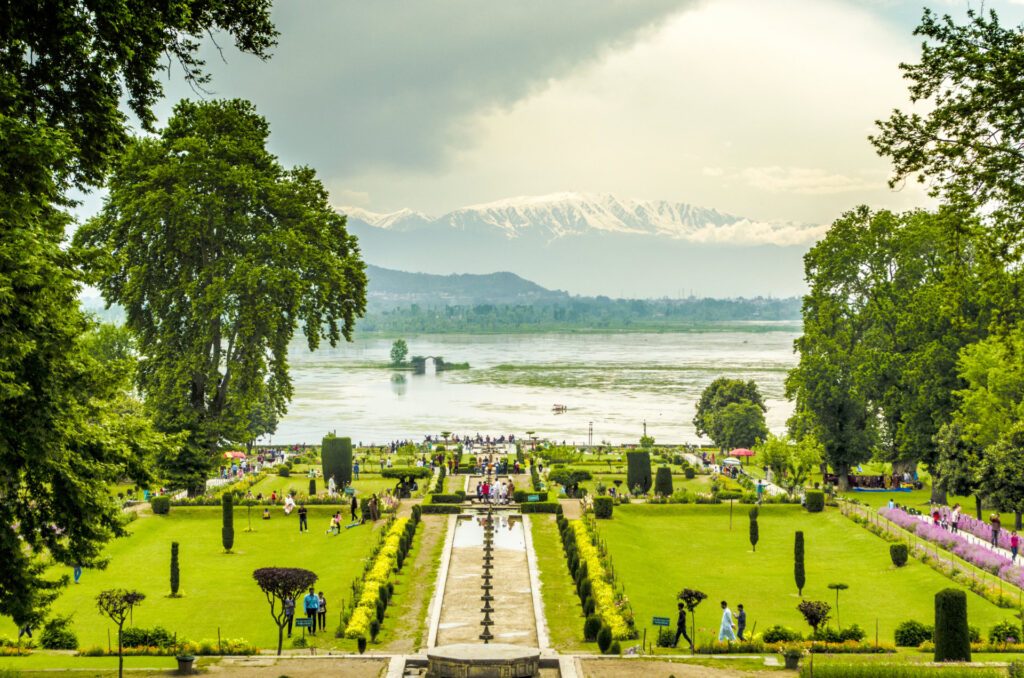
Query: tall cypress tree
x=175 y=572
x=754 y=532
x=798 y=563
x=227 y=530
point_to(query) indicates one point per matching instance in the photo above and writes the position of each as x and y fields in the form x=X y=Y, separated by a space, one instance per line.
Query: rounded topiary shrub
x=690 y=473
x=284 y=471
x=585 y=588
x=591 y=627
x=374 y=628
x=615 y=648
x=603 y=507
x=898 y=553
x=604 y=639
x=161 y=505
x=779 y=634
x=952 y=637
x=588 y=605
x=361 y=644
x=815 y=501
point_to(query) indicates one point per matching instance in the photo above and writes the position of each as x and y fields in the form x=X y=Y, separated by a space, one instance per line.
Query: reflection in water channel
x=508 y=533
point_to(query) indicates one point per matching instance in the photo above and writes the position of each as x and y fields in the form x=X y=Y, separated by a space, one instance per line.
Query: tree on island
x=399 y=352
x=117 y=604
x=280 y=584
x=215 y=292
x=68 y=67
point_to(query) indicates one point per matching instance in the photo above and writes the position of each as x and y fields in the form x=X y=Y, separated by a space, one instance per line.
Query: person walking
x=996 y=523
x=726 y=631
x=1014 y=546
x=321 y=611
x=681 y=627
x=78 y=573
x=954 y=518
x=352 y=507
x=355 y=469
x=312 y=604
x=289 y=613
x=303 y=523
x=741 y=621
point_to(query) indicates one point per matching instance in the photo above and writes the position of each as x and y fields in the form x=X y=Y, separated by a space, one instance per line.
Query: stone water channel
x=454 y=646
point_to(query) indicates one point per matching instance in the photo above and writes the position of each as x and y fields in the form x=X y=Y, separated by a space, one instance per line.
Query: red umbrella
x=234 y=454
x=742 y=452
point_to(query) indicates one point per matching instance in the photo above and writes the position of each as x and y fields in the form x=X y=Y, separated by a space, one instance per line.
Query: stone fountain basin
x=476 y=660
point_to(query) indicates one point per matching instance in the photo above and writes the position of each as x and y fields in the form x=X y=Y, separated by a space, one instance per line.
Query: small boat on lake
x=559 y=409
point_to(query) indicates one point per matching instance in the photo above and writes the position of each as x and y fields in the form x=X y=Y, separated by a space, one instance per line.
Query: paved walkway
x=973 y=539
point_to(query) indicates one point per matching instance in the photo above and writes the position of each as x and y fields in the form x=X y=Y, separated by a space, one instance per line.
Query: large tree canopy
x=715 y=398
x=218 y=254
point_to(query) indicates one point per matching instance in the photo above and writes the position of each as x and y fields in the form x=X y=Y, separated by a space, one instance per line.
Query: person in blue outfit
x=312 y=603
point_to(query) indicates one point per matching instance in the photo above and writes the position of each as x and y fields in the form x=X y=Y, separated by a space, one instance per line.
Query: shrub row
x=541 y=507
x=205 y=648
x=374 y=590
x=456 y=498
x=440 y=508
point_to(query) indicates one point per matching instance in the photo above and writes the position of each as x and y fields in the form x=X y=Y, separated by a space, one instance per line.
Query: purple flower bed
x=979 y=528
x=976 y=554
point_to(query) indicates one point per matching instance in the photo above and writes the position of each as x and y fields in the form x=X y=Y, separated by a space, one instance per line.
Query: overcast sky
x=760 y=108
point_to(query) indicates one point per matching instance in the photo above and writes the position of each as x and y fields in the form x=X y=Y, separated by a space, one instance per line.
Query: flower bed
x=388 y=558
x=976 y=554
x=609 y=605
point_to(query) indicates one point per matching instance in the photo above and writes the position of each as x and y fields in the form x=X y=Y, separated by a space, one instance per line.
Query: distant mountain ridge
x=596 y=244
x=561 y=215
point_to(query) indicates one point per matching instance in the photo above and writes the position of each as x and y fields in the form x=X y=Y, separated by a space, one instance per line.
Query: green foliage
x=279 y=584
x=603 y=507
x=1005 y=632
x=898 y=553
x=161 y=504
x=912 y=633
x=175 y=570
x=447 y=498
x=540 y=507
x=663 y=482
x=336 y=459
x=591 y=627
x=415 y=472
x=374 y=629
x=952 y=637
x=798 y=563
x=399 y=352
x=57 y=634
x=604 y=639
x=815 y=501
x=638 y=470
x=690 y=473
x=284 y=471
x=755 y=534
x=815 y=612
x=360 y=644
x=739 y=425
x=254 y=275
x=227 y=530
x=779 y=634
x=430 y=509
x=880 y=670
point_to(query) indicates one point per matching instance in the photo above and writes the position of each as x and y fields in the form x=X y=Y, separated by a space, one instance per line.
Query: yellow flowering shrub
x=384 y=564
x=601 y=589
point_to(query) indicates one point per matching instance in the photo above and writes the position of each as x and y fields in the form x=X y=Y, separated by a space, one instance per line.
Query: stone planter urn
x=185 y=662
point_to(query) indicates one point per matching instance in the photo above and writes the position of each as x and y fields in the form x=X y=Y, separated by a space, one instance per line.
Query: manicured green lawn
x=218 y=588
x=659 y=550
x=45 y=660
x=368 y=483
x=562 y=608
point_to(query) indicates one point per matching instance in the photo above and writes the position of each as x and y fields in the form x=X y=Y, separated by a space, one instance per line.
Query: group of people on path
x=951 y=521
x=494 y=493
x=315 y=606
x=731 y=629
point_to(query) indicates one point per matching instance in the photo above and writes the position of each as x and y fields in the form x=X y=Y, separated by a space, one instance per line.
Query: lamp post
x=590 y=435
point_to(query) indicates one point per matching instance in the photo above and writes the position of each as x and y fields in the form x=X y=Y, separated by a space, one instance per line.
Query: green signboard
x=661 y=621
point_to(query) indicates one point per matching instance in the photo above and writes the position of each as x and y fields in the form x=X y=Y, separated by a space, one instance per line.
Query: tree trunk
x=843 y=476
x=120 y=653
x=977 y=505
x=1016 y=520
x=280 y=639
x=938 y=494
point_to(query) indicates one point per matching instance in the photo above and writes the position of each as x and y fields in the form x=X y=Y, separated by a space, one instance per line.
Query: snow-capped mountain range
x=595 y=245
x=563 y=215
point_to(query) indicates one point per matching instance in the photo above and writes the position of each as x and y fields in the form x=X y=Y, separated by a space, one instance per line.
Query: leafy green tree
x=1001 y=473
x=399 y=352
x=117 y=604
x=218 y=254
x=716 y=396
x=740 y=425
x=775 y=452
x=263 y=420
x=66 y=68
x=959 y=463
x=967 y=147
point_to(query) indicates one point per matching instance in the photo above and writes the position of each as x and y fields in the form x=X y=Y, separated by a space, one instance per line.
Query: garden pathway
x=973 y=539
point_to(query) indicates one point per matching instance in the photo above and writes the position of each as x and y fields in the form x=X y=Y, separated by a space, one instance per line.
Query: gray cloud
x=383 y=85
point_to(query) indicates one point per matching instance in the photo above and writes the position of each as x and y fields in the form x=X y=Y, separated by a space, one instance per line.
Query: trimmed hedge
x=447 y=498
x=540 y=507
x=407 y=472
x=440 y=508
x=638 y=470
x=161 y=505
x=663 y=482
x=815 y=502
x=603 y=507
x=912 y=633
x=952 y=637
x=336 y=459
x=523 y=496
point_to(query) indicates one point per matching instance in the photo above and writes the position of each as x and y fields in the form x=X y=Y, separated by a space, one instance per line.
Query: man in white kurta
x=726 y=630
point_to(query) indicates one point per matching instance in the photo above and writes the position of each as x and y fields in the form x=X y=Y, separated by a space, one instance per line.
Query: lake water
x=617 y=381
